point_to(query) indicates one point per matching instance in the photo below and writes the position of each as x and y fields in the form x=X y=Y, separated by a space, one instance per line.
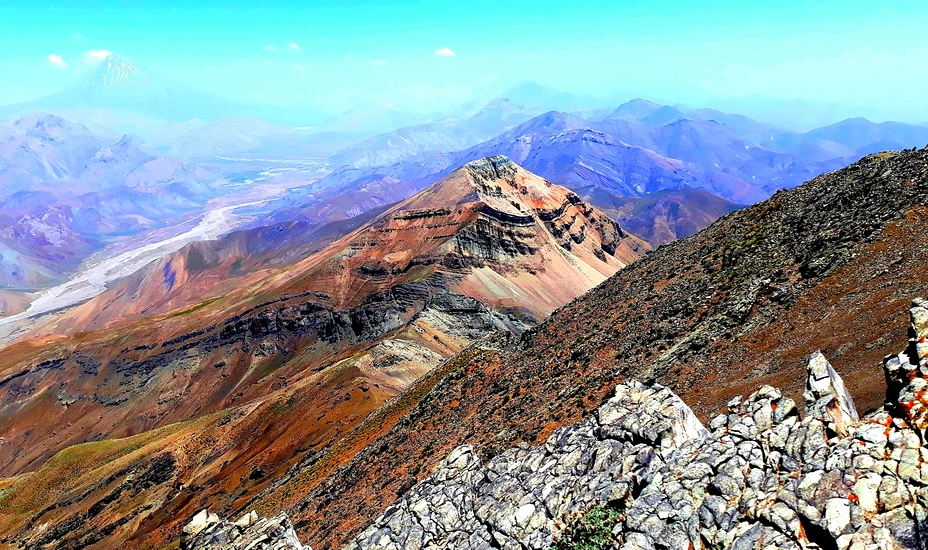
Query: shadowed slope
x=830 y=265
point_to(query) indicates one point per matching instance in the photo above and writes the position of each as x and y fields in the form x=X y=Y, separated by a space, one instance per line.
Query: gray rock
x=826 y=397
x=208 y=532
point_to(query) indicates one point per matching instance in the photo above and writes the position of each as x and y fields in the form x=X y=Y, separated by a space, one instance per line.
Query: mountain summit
x=490 y=230
x=114 y=72
x=119 y=85
x=494 y=231
x=282 y=339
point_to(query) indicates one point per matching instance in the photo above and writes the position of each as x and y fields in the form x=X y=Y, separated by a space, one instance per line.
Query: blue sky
x=848 y=57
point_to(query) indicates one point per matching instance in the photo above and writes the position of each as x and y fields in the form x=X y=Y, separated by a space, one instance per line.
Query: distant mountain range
x=666 y=171
x=636 y=150
x=120 y=96
x=65 y=190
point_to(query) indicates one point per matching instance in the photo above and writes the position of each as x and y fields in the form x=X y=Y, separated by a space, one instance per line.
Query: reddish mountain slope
x=831 y=265
x=225 y=369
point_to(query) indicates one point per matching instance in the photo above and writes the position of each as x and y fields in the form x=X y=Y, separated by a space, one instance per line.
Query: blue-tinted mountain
x=537 y=98
x=65 y=190
x=867 y=137
x=497 y=116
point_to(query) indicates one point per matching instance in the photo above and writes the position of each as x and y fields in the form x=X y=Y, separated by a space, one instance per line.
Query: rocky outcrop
x=760 y=476
x=207 y=532
x=826 y=397
x=906 y=372
x=517 y=500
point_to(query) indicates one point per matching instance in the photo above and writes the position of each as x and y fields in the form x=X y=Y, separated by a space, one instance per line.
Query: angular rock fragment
x=207 y=532
x=200 y=521
x=826 y=397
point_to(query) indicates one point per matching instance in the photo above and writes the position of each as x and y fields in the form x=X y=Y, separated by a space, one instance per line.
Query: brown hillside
x=831 y=265
x=202 y=388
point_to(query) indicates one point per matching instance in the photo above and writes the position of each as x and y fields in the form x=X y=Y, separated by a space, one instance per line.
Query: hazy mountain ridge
x=497 y=116
x=121 y=96
x=65 y=189
x=729 y=155
x=634 y=150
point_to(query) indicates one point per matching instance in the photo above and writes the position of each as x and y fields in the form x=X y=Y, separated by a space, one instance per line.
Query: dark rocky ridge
x=273 y=329
x=108 y=504
x=274 y=324
x=827 y=265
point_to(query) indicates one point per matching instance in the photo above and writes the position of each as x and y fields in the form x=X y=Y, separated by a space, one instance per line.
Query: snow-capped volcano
x=113 y=72
x=126 y=91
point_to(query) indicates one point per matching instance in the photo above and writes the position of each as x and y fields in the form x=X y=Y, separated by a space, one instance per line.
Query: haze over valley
x=292 y=276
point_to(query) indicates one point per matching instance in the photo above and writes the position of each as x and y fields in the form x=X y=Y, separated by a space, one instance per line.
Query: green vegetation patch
x=191 y=309
x=591 y=531
x=61 y=472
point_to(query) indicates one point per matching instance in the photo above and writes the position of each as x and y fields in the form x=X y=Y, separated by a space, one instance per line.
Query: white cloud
x=380 y=62
x=294 y=46
x=57 y=61
x=445 y=52
x=95 y=56
x=271 y=48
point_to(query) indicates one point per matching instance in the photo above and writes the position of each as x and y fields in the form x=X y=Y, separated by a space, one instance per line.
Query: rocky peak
x=492 y=213
x=500 y=185
x=491 y=168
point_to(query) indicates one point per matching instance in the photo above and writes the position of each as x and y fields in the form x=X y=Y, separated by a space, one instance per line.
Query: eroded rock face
x=906 y=372
x=760 y=477
x=207 y=532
